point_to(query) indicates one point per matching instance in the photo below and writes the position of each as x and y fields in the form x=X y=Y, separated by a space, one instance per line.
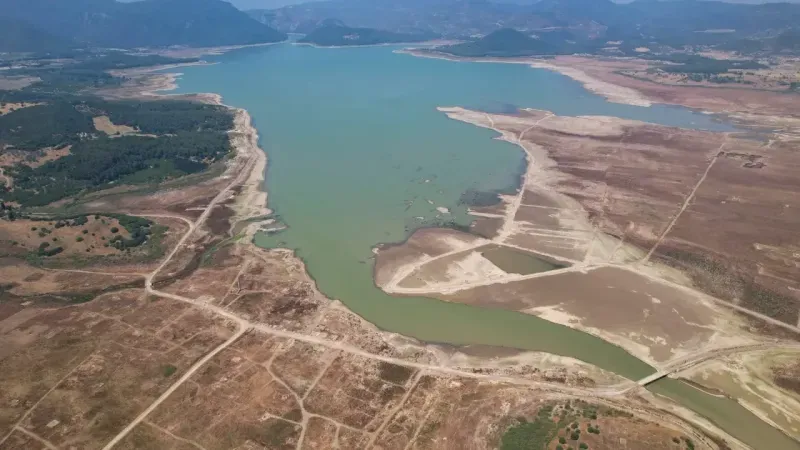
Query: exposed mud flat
x=600 y=192
x=614 y=93
x=394 y=263
x=716 y=99
x=720 y=208
x=654 y=321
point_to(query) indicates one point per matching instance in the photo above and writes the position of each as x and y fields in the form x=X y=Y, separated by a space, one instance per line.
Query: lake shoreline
x=611 y=92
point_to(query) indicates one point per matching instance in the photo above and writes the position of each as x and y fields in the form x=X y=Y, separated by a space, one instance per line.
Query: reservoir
x=359 y=155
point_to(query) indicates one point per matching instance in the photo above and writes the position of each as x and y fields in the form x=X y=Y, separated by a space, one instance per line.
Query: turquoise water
x=358 y=155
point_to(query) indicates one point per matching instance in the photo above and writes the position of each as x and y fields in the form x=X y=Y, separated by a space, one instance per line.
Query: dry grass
x=104 y=124
x=76 y=376
x=88 y=239
x=6 y=108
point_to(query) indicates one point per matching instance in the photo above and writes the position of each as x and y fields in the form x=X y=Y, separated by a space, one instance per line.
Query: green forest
x=178 y=137
x=512 y=43
x=103 y=162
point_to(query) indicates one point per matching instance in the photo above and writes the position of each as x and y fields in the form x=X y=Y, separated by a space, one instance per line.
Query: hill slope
x=676 y=23
x=506 y=42
x=18 y=36
x=148 y=23
x=337 y=34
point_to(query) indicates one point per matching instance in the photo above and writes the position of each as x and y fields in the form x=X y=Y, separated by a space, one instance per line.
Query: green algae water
x=514 y=261
x=359 y=155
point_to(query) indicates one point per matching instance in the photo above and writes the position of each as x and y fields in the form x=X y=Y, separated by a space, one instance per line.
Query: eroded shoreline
x=611 y=92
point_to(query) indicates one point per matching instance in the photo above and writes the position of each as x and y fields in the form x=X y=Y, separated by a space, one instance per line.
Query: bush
x=562 y=440
x=50 y=252
x=85 y=232
x=79 y=239
x=168 y=370
x=575 y=435
x=114 y=230
x=583 y=446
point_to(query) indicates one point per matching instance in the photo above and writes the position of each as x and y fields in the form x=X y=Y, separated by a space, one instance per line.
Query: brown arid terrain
x=24 y=236
x=656 y=210
x=219 y=344
x=619 y=81
x=674 y=244
x=765 y=98
x=6 y=108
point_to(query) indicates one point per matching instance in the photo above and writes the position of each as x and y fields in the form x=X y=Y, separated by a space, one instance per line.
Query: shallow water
x=359 y=155
x=519 y=262
x=726 y=414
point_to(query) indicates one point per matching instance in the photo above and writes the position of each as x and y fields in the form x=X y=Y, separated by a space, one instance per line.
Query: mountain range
x=591 y=18
x=42 y=25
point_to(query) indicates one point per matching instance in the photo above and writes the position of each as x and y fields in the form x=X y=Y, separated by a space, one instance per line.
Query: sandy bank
x=388 y=44
x=612 y=92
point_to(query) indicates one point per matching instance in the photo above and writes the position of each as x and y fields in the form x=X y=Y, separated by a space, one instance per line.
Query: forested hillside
x=58 y=140
x=509 y=43
x=330 y=35
x=147 y=23
x=19 y=36
x=640 y=23
x=171 y=139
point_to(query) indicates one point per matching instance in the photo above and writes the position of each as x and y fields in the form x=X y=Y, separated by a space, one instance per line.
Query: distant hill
x=505 y=43
x=642 y=23
x=335 y=33
x=17 y=37
x=452 y=18
x=147 y=23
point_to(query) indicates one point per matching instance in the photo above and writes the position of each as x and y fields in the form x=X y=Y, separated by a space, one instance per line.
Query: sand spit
x=611 y=92
x=434 y=43
x=545 y=219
